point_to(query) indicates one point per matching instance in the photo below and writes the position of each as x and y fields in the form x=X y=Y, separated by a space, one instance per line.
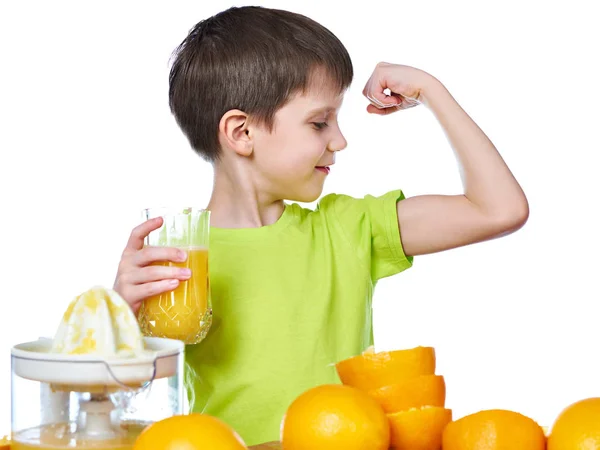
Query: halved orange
x=419 y=428
x=495 y=429
x=371 y=370
x=425 y=390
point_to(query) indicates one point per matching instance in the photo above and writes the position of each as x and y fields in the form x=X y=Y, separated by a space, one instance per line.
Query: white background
x=87 y=140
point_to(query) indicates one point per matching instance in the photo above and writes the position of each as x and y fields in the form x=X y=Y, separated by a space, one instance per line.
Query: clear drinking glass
x=184 y=313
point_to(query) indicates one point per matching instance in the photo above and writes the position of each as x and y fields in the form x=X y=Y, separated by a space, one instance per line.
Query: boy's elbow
x=514 y=217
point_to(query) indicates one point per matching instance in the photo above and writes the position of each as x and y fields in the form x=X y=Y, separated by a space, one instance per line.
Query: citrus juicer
x=97 y=384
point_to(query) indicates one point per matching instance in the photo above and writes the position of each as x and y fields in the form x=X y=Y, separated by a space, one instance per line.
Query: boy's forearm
x=488 y=182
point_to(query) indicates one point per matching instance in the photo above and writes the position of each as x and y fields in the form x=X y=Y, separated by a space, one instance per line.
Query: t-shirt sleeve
x=370 y=224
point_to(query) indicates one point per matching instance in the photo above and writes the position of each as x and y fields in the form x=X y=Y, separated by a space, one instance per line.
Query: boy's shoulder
x=325 y=205
x=346 y=207
x=368 y=225
x=337 y=201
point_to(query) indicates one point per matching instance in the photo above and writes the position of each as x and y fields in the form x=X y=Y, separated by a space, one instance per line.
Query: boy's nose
x=339 y=143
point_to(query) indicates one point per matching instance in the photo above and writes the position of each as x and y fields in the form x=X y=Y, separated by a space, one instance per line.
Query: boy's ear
x=233 y=131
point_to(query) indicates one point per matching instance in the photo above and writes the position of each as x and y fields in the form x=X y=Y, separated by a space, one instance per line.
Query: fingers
x=139 y=234
x=390 y=92
x=380 y=99
x=135 y=294
x=149 y=255
x=138 y=278
x=372 y=109
x=375 y=91
x=151 y=274
x=375 y=94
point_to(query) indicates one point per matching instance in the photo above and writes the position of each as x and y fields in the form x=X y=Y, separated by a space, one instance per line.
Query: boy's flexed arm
x=493 y=203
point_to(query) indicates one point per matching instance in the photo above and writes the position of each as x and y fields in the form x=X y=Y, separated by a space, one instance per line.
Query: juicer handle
x=137 y=388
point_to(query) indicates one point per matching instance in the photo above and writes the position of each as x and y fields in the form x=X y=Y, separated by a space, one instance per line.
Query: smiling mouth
x=324 y=169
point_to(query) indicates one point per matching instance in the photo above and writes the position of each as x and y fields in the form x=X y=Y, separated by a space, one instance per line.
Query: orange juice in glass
x=186 y=312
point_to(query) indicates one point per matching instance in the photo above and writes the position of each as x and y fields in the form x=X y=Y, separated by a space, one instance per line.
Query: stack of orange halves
x=404 y=383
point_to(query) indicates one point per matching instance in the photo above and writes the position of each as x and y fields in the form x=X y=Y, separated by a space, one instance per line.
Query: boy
x=257 y=92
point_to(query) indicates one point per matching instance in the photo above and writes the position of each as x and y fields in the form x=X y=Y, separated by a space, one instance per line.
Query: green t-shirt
x=289 y=301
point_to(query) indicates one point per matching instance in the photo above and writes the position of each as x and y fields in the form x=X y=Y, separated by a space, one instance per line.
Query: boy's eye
x=320 y=125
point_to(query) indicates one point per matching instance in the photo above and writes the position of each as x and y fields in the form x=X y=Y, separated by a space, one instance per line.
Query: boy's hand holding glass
x=163 y=274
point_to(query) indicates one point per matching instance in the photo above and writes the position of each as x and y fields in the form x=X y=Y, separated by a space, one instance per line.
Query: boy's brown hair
x=252 y=59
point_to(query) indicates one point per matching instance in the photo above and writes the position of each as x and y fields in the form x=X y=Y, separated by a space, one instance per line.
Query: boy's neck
x=236 y=201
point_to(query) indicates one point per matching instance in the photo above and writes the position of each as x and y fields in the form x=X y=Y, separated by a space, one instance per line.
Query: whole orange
x=577 y=427
x=189 y=432
x=494 y=429
x=335 y=417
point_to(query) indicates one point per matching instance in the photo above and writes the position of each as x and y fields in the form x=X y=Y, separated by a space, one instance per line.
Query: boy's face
x=293 y=160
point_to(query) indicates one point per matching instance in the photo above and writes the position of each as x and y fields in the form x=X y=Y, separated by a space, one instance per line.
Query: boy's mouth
x=324 y=169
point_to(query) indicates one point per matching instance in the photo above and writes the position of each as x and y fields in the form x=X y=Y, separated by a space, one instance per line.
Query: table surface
x=267 y=446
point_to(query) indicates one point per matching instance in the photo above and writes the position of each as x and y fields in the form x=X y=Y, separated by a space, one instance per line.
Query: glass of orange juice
x=184 y=313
